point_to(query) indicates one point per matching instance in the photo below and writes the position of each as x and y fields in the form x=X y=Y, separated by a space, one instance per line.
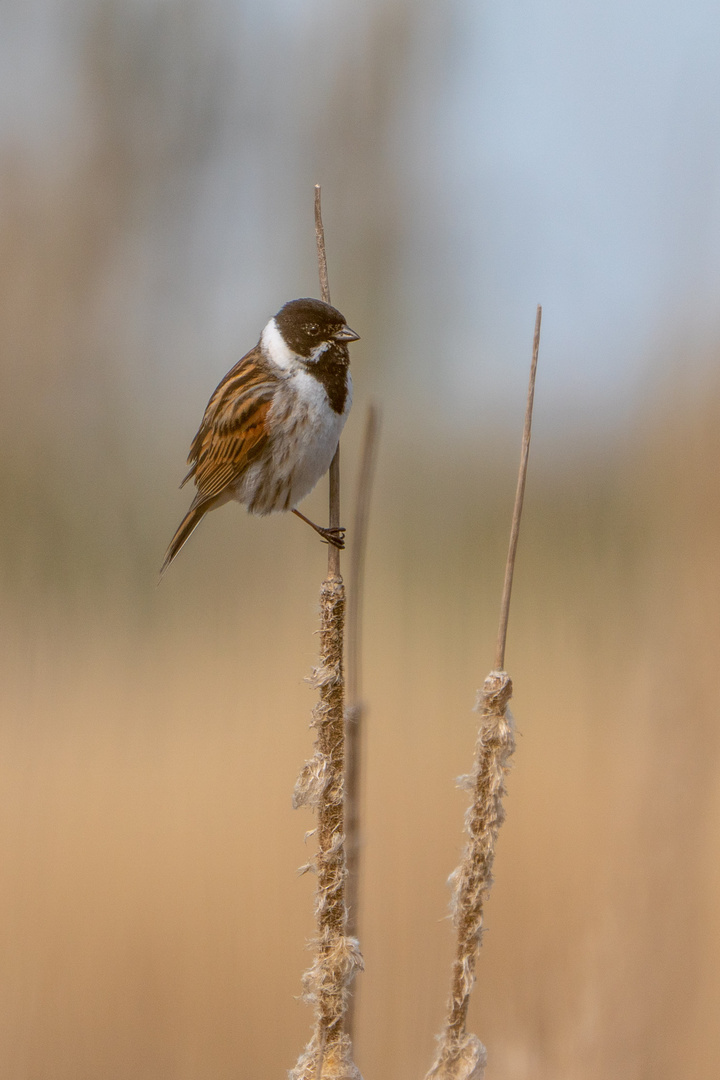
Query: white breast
x=305 y=433
x=315 y=435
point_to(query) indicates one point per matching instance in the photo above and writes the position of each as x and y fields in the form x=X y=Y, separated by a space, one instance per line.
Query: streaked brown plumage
x=271 y=427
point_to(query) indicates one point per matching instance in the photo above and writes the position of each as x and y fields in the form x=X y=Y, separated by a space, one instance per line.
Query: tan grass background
x=152 y=923
x=152 y=926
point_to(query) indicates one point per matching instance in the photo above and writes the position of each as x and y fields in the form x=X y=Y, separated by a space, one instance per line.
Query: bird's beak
x=346 y=334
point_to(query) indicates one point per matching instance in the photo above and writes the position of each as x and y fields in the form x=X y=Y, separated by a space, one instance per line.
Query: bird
x=272 y=425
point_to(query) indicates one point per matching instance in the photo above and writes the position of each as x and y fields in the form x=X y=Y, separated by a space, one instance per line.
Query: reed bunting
x=271 y=428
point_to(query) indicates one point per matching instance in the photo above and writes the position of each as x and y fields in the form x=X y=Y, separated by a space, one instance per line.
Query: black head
x=306 y=324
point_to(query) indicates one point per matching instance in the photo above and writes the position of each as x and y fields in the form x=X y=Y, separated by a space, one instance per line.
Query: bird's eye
x=312 y=328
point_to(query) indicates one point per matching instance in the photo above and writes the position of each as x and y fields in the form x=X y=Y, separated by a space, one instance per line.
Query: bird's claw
x=334 y=535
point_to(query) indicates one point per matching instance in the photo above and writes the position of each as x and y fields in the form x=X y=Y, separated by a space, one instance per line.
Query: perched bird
x=271 y=428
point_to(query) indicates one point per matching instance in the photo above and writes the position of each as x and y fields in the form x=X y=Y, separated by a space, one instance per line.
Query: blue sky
x=581 y=164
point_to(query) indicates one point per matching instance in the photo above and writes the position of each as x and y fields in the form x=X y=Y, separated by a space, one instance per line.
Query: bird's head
x=309 y=326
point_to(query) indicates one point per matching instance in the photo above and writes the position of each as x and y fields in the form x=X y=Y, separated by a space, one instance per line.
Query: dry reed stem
x=355 y=709
x=334 y=474
x=328 y=1055
x=460 y=1055
x=519 y=498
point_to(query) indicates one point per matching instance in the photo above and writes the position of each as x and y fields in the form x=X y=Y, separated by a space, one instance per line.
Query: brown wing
x=233 y=432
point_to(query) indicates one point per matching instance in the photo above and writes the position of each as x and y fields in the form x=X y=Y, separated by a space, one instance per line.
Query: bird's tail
x=188 y=524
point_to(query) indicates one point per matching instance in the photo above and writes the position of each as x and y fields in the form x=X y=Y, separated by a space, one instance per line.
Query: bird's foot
x=331 y=534
x=334 y=535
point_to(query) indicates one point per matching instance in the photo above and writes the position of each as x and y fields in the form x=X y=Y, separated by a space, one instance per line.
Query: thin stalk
x=328 y=1055
x=334 y=475
x=355 y=710
x=519 y=497
x=461 y=1056
x=321 y=253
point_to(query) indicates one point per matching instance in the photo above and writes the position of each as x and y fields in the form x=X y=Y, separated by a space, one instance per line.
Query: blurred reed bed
x=151 y=921
x=153 y=924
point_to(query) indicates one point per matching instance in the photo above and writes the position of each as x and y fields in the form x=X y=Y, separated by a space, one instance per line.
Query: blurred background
x=157 y=162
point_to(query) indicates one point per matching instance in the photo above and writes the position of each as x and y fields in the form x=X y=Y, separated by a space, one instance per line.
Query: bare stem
x=517 y=512
x=461 y=1056
x=334 y=475
x=357 y=554
x=354 y=711
x=320 y=240
x=334 y=514
x=328 y=1055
